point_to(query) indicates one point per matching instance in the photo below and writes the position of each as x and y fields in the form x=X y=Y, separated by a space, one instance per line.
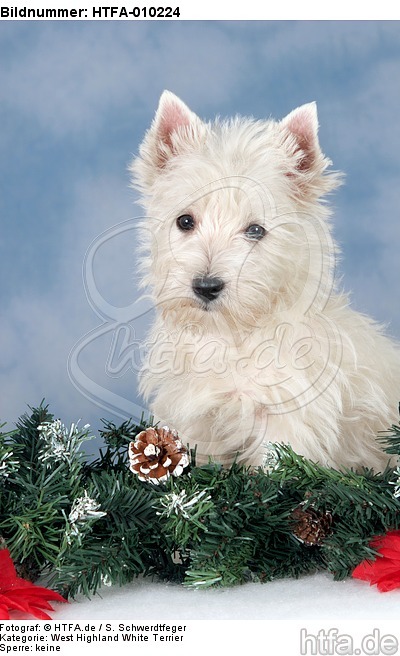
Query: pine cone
x=156 y=453
x=311 y=526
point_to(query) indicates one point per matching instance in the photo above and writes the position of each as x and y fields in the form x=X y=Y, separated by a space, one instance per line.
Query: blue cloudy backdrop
x=76 y=98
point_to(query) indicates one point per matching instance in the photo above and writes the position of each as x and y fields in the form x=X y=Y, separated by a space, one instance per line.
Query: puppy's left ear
x=307 y=163
x=302 y=125
x=174 y=131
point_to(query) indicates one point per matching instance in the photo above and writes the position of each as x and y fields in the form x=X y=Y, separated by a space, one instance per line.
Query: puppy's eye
x=255 y=232
x=185 y=222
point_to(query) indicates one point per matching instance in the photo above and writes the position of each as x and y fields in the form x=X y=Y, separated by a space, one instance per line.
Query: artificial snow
x=310 y=598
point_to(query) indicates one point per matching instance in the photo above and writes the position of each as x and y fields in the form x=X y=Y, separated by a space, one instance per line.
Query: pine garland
x=87 y=523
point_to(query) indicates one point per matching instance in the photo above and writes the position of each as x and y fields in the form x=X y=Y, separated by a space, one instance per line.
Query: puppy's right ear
x=174 y=131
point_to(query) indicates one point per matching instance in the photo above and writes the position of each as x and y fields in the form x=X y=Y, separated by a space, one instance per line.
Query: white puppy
x=252 y=341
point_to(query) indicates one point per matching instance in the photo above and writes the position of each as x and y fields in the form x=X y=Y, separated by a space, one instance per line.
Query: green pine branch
x=87 y=523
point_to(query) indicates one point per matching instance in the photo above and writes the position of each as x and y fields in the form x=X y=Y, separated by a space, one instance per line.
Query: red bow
x=384 y=571
x=22 y=595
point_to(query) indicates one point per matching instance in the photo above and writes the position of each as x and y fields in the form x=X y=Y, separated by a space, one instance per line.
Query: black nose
x=208 y=288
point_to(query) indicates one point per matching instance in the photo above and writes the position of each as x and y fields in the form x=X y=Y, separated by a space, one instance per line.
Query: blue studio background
x=76 y=99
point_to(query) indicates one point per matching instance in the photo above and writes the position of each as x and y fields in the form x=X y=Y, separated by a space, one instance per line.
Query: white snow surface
x=311 y=597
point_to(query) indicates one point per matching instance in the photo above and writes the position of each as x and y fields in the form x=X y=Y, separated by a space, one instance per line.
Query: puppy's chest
x=264 y=358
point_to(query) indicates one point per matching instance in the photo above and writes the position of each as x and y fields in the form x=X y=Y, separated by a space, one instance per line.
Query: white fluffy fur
x=279 y=356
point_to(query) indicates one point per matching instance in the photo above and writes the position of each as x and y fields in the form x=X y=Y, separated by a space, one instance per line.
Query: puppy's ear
x=173 y=119
x=302 y=125
x=174 y=131
x=307 y=163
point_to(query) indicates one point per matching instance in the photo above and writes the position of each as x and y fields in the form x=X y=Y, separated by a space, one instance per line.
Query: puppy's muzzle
x=207 y=288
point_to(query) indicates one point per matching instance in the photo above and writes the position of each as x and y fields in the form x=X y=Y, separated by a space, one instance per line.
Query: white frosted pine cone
x=157 y=453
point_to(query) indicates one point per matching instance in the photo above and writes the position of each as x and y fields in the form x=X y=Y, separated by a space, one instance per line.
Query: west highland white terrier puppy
x=253 y=342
